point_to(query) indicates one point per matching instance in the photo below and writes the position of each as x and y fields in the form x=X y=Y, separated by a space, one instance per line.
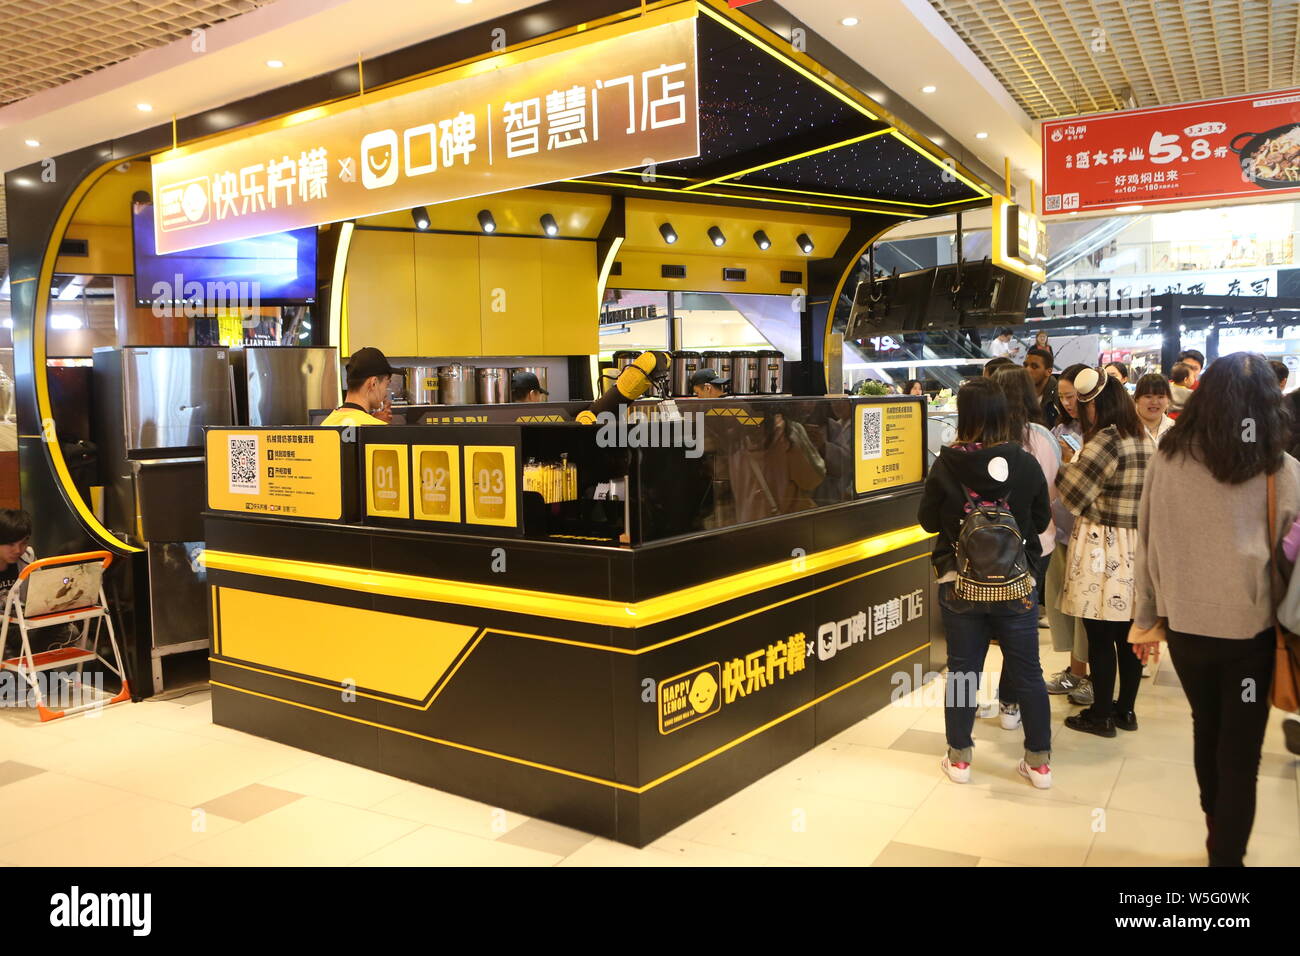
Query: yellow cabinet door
x=447 y=295
x=381 y=292
x=510 y=295
x=569 y=309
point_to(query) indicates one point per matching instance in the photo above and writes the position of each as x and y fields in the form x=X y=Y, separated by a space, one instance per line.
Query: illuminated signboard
x=619 y=97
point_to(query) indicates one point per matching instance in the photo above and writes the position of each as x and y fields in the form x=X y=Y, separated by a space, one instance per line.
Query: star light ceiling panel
x=771 y=132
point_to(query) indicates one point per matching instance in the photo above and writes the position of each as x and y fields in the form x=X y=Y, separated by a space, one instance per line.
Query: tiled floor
x=157 y=783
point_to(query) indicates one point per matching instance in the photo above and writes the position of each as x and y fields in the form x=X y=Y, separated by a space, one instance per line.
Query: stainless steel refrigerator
x=279 y=385
x=151 y=405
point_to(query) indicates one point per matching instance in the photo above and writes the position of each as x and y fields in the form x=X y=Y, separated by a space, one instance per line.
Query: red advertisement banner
x=1217 y=149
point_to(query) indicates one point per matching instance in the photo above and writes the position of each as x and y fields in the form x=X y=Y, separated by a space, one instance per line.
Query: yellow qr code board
x=387 y=483
x=888 y=442
x=490 y=485
x=285 y=472
x=436 y=471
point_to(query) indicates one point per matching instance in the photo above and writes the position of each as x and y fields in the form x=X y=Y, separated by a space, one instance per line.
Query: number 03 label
x=387 y=483
x=490 y=483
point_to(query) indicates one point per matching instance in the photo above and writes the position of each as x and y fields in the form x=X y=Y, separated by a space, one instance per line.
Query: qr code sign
x=245 y=477
x=871 y=428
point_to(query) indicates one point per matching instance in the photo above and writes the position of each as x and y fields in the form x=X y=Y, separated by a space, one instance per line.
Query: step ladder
x=62 y=590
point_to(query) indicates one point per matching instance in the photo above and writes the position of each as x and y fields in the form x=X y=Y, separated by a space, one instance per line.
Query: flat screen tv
x=277 y=269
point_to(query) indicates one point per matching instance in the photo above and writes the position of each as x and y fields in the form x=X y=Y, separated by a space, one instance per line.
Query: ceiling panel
x=1066 y=57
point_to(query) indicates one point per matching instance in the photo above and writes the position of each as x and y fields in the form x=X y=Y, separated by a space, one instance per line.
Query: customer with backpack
x=1102 y=486
x=1216 y=469
x=987 y=501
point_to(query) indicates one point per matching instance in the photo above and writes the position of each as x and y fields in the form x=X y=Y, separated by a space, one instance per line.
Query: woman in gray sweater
x=1209 y=480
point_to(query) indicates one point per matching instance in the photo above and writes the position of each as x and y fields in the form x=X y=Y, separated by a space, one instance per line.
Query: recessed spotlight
x=849 y=22
x=805 y=242
x=761 y=240
x=275 y=64
x=144 y=107
x=421 y=217
x=928 y=89
x=716 y=235
x=981 y=135
x=549 y=226
x=486 y=222
x=464 y=2
x=32 y=142
x=668 y=232
x=1128 y=209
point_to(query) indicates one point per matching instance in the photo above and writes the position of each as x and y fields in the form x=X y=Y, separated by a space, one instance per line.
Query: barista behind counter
x=368 y=375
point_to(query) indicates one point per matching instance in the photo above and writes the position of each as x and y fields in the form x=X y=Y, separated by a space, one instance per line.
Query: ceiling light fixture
x=1128 y=209
x=928 y=89
x=805 y=242
x=32 y=142
x=144 y=107
x=849 y=22
x=421 y=217
x=486 y=222
x=981 y=135
x=716 y=235
x=668 y=232
x=549 y=225
x=275 y=64
x=761 y=240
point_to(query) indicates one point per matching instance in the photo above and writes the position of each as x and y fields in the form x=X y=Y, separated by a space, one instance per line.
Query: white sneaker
x=987 y=710
x=1010 y=715
x=957 y=772
x=1040 y=777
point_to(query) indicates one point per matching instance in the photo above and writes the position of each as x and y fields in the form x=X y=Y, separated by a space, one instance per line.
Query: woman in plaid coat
x=1102 y=485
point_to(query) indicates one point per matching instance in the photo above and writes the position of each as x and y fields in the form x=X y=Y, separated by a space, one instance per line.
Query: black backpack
x=991 y=560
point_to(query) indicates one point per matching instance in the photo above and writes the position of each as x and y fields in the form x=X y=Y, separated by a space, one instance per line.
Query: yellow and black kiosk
x=616 y=650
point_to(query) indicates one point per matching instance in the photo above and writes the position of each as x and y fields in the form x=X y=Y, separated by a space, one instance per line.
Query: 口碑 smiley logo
x=379 y=159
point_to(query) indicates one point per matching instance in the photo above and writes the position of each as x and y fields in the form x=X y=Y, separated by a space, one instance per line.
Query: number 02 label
x=437 y=471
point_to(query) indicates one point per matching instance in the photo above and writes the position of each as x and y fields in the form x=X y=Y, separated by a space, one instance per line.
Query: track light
x=761 y=240
x=805 y=242
x=486 y=222
x=549 y=225
x=421 y=217
x=716 y=235
x=669 y=233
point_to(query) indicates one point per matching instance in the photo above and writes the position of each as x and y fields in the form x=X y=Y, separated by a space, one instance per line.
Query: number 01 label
x=387 y=494
x=491 y=485
x=437 y=472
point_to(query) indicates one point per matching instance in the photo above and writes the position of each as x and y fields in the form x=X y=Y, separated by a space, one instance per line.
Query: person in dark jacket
x=988 y=461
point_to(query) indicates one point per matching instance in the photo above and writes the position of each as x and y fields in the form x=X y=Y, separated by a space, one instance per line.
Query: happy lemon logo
x=703 y=690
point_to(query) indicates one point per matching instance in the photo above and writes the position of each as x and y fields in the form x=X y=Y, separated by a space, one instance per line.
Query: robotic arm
x=649 y=368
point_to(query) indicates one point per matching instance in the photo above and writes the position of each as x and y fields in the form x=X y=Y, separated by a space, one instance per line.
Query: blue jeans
x=1006 y=688
x=968 y=626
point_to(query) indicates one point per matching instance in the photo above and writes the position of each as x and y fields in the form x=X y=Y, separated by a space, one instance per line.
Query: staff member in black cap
x=524 y=387
x=705 y=383
x=368 y=374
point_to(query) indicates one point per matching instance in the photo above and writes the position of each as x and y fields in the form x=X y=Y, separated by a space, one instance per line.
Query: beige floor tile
x=546 y=837
x=987 y=823
x=985 y=861
x=725 y=809
x=175 y=860
x=1144 y=839
x=131 y=833
x=882 y=728
x=691 y=853
x=250 y=802
x=894 y=777
x=813 y=829
x=905 y=854
x=1171 y=787
x=338 y=781
x=450 y=812
x=432 y=846
x=207 y=770
x=11 y=771
x=1082 y=776
x=101 y=754
x=48 y=800
x=307 y=832
x=1162 y=739
x=602 y=852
